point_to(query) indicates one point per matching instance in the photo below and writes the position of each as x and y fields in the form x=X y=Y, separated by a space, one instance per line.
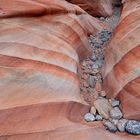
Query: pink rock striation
x=122 y=68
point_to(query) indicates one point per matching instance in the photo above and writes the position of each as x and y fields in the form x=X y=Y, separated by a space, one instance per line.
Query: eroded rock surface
x=40 y=90
x=122 y=71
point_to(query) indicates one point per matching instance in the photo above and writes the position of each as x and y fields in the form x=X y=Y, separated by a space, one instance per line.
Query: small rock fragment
x=98 y=86
x=110 y=126
x=115 y=103
x=103 y=107
x=133 y=127
x=89 y=117
x=99 y=117
x=103 y=93
x=92 y=81
x=121 y=125
x=95 y=66
x=114 y=121
x=93 y=110
x=116 y=113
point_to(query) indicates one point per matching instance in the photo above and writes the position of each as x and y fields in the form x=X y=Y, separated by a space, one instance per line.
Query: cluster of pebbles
x=91 y=67
x=108 y=111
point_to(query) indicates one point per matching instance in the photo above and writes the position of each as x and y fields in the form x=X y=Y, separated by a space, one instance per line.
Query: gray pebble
x=99 y=117
x=133 y=127
x=115 y=103
x=89 y=117
x=110 y=126
x=92 y=80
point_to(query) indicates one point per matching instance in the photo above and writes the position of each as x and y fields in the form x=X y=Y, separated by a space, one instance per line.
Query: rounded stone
x=133 y=127
x=110 y=126
x=116 y=113
x=99 y=117
x=103 y=93
x=89 y=117
x=93 y=110
x=121 y=125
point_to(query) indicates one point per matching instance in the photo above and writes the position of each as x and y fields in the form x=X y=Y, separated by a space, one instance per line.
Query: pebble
x=102 y=93
x=116 y=113
x=93 y=110
x=98 y=118
x=93 y=58
x=115 y=103
x=89 y=117
x=92 y=81
x=110 y=126
x=85 y=84
x=95 y=66
x=114 y=121
x=121 y=125
x=94 y=71
x=133 y=127
x=99 y=63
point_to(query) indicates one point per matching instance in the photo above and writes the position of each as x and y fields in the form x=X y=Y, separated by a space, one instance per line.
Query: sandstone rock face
x=40 y=54
x=41 y=43
x=103 y=107
x=95 y=7
x=122 y=68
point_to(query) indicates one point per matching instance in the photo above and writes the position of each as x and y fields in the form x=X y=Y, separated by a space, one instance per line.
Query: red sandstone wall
x=41 y=43
x=95 y=7
x=122 y=68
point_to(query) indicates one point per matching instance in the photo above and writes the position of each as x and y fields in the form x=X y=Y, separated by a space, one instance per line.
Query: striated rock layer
x=41 y=43
x=95 y=7
x=122 y=68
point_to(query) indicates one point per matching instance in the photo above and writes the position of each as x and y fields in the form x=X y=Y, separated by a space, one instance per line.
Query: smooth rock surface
x=41 y=45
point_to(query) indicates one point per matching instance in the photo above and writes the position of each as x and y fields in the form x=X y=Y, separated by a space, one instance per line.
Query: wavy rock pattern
x=122 y=69
x=95 y=7
x=41 y=43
